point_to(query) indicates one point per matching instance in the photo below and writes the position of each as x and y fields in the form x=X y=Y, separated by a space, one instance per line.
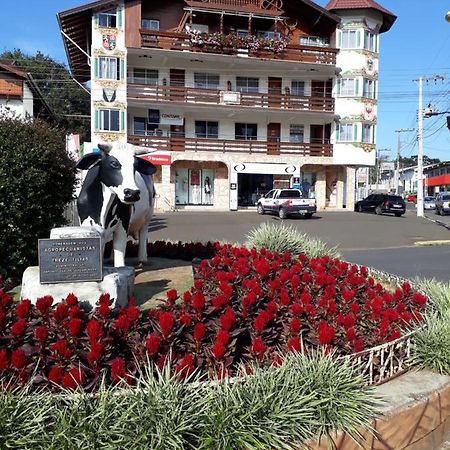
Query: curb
x=437 y=221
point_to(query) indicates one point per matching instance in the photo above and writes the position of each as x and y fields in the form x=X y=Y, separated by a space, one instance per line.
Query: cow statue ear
x=89 y=160
x=143 y=166
x=105 y=147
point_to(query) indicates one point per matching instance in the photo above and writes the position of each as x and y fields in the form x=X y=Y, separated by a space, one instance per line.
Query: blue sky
x=417 y=45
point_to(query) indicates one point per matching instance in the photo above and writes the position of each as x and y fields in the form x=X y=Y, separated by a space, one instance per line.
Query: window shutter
x=376 y=43
x=119 y=17
x=355 y=132
x=96 y=20
x=338 y=132
x=356 y=93
x=96 y=67
x=373 y=134
x=338 y=87
x=339 y=38
x=358 y=39
x=97 y=120
x=122 y=120
x=122 y=70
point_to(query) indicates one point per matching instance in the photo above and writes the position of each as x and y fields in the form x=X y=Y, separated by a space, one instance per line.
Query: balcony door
x=273 y=138
x=321 y=88
x=177 y=81
x=274 y=92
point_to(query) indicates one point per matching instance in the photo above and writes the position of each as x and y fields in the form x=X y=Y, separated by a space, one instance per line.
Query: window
x=246 y=131
x=298 y=88
x=200 y=27
x=349 y=39
x=296 y=133
x=348 y=86
x=109 y=68
x=206 y=80
x=369 y=88
x=242 y=33
x=346 y=132
x=141 y=127
x=109 y=120
x=204 y=129
x=108 y=19
x=292 y=193
x=246 y=84
x=150 y=24
x=370 y=41
x=367 y=133
x=145 y=76
x=315 y=41
x=269 y=34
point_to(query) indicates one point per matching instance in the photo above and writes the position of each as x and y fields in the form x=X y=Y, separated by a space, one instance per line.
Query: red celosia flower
x=18 y=359
x=219 y=301
x=94 y=330
x=61 y=312
x=358 y=345
x=118 y=370
x=390 y=315
x=55 y=374
x=419 y=298
x=394 y=335
x=96 y=352
x=186 y=366
x=310 y=310
x=104 y=299
x=262 y=267
x=349 y=321
x=198 y=301
x=223 y=337
x=294 y=344
x=261 y=321
x=75 y=327
x=18 y=328
x=41 y=333
x=351 y=334
x=153 y=344
x=122 y=324
x=228 y=319
x=406 y=287
x=72 y=379
x=348 y=295
x=4 y=361
x=258 y=347
x=186 y=319
x=104 y=310
x=172 y=295
x=383 y=329
x=166 y=322
x=355 y=308
x=61 y=348
x=71 y=299
x=305 y=297
x=23 y=309
x=272 y=308
x=296 y=309
x=76 y=311
x=44 y=304
x=295 y=325
x=187 y=296
x=133 y=313
x=218 y=350
x=326 y=333
x=199 y=332
x=198 y=284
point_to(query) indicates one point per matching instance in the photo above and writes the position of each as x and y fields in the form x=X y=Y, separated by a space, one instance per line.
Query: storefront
x=194 y=186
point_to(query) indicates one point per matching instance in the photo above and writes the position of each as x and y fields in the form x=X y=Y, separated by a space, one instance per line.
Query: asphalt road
x=385 y=242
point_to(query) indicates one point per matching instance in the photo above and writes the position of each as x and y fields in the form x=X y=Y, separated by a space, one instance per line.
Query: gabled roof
x=388 y=17
x=4 y=67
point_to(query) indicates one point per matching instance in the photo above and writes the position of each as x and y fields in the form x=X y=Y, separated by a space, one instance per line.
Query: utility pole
x=378 y=165
x=420 y=143
x=397 y=166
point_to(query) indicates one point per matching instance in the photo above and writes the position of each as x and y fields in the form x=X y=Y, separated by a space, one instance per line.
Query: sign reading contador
x=68 y=260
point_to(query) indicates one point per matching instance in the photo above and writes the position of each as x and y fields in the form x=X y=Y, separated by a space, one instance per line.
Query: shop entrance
x=252 y=186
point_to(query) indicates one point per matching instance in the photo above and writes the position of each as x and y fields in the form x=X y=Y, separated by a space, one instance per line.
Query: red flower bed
x=246 y=305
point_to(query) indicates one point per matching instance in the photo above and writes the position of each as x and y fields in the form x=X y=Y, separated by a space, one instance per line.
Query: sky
x=417 y=45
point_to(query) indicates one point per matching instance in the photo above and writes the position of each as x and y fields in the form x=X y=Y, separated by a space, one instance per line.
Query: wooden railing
x=180 y=41
x=215 y=97
x=181 y=144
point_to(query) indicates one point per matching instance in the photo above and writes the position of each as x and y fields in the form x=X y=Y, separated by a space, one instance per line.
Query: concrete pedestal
x=118 y=282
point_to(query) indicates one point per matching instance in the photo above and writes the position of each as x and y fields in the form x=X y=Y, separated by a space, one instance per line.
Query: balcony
x=183 y=42
x=182 y=144
x=164 y=94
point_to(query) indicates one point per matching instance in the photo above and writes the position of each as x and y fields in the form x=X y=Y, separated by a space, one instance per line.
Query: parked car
x=429 y=203
x=382 y=203
x=285 y=202
x=411 y=198
x=443 y=203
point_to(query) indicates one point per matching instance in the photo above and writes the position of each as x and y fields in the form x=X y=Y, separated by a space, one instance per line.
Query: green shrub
x=36 y=182
x=272 y=408
x=438 y=293
x=283 y=238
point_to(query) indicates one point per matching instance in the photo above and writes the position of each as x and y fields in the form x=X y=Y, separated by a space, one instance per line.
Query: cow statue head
x=115 y=165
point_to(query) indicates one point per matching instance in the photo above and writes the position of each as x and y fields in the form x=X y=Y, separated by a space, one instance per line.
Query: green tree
x=65 y=97
x=36 y=182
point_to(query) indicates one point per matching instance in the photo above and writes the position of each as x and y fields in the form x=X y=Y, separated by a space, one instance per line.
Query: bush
x=309 y=396
x=36 y=182
x=282 y=238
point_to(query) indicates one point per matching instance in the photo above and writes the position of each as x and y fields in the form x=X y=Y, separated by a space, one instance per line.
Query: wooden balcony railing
x=181 y=41
x=182 y=144
x=215 y=97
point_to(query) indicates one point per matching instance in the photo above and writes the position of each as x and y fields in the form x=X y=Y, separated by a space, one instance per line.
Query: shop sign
x=158 y=159
x=171 y=119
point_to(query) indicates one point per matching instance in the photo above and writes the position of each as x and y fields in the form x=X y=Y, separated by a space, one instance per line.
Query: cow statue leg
x=119 y=246
x=143 y=235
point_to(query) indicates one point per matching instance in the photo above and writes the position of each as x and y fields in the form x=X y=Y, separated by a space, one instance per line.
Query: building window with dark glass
x=247 y=84
x=204 y=129
x=298 y=88
x=246 y=131
x=296 y=133
x=108 y=19
x=145 y=76
x=109 y=120
x=150 y=24
x=206 y=80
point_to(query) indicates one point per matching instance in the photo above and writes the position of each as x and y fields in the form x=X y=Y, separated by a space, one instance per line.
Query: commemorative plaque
x=70 y=260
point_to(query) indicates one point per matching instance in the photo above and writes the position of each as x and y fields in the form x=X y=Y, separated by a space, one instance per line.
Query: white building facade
x=234 y=98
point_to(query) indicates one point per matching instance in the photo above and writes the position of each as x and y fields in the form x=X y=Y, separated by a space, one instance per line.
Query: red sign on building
x=158 y=159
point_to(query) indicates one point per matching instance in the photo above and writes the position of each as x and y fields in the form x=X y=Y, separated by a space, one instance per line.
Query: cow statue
x=117 y=197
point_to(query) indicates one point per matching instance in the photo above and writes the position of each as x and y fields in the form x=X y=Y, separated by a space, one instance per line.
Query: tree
x=36 y=182
x=412 y=161
x=65 y=97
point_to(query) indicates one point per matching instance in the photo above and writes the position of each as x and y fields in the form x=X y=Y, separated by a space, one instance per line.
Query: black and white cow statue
x=117 y=197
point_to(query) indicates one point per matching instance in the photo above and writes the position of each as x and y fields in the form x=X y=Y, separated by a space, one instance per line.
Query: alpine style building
x=233 y=98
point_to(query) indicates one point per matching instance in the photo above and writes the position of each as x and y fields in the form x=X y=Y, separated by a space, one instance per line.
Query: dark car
x=382 y=203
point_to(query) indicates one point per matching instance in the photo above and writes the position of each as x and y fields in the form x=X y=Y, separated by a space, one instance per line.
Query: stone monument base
x=118 y=282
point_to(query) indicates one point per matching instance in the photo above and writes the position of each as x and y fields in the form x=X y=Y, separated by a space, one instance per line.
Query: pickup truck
x=285 y=202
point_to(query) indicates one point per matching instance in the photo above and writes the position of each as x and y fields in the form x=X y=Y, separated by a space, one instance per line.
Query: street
x=385 y=242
